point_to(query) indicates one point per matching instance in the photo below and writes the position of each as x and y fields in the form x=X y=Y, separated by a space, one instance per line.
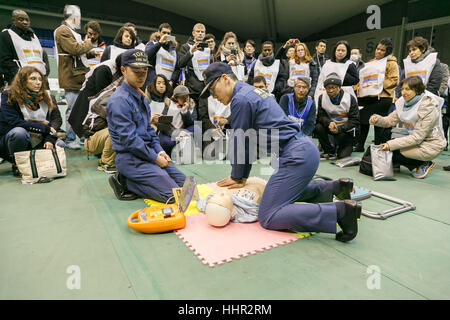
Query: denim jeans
x=16 y=140
x=71 y=97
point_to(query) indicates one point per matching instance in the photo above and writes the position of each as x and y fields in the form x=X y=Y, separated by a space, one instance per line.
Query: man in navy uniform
x=252 y=108
x=143 y=166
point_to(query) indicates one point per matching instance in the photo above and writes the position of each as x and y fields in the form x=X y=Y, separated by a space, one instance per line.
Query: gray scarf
x=266 y=61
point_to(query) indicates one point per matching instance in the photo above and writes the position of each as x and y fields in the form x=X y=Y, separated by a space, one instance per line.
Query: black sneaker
x=119 y=190
x=447 y=168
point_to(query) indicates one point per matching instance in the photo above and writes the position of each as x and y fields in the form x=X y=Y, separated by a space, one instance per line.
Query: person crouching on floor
x=25 y=116
x=143 y=166
x=419 y=111
x=337 y=120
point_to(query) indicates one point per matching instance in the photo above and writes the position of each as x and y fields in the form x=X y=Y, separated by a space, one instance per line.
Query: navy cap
x=215 y=70
x=135 y=58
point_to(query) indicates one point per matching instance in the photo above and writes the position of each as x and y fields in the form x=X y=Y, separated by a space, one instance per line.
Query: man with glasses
x=211 y=41
x=299 y=107
x=143 y=167
x=337 y=120
x=298 y=159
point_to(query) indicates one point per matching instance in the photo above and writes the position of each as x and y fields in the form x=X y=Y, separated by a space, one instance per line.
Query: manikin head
x=219 y=209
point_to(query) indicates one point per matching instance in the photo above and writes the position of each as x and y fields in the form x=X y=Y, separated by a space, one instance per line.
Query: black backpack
x=365 y=166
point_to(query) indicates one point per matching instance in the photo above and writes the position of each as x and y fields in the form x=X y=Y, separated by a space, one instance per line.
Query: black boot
x=120 y=190
x=345 y=189
x=349 y=222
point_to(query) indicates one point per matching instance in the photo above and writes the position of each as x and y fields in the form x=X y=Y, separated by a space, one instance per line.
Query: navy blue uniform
x=298 y=161
x=137 y=146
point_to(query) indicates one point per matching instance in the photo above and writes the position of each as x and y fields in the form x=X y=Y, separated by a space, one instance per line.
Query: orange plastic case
x=153 y=220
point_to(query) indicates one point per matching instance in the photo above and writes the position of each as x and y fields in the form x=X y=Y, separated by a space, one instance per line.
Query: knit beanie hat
x=332 y=78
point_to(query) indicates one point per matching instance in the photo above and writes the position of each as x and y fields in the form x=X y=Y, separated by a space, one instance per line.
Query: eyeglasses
x=211 y=87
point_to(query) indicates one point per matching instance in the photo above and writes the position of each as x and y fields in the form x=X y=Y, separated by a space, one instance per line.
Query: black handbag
x=365 y=166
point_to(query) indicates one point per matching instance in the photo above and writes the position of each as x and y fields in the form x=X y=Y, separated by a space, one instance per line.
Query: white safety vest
x=337 y=113
x=238 y=70
x=270 y=73
x=330 y=67
x=422 y=69
x=409 y=117
x=111 y=64
x=166 y=62
x=115 y=51
x=371 y=78
x=40 y=115
x=78 y=38
x=217 y=110
x=200 y=61
x=174 y=111
x=297 y=70
x=29 y=53
x=95 y=61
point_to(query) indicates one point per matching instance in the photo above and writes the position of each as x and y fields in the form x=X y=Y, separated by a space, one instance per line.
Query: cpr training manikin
x=236 y=205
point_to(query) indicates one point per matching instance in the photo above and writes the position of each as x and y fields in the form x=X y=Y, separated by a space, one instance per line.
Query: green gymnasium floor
x=77 y=220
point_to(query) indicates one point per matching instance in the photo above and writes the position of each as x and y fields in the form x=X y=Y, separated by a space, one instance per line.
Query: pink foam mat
x=215 y=246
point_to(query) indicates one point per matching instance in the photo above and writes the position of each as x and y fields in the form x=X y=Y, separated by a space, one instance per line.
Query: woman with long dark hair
x=125 y=39
x=25 y=115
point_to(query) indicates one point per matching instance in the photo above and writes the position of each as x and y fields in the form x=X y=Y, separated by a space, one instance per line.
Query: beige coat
x=69 y=77
x=423 y=143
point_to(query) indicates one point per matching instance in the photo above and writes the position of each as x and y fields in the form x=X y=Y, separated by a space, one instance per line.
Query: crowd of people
x=131 y=102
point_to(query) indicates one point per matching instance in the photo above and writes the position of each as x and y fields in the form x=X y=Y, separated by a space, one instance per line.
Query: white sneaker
x=73 y=145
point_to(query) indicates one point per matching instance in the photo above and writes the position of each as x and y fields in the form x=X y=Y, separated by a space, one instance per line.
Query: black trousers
x=382 y=135
x=373 y=105
x=343 y=142
x=399 y=159
x=445 y=125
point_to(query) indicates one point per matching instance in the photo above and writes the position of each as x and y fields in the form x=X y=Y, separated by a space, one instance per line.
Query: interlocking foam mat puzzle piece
x=215 y=246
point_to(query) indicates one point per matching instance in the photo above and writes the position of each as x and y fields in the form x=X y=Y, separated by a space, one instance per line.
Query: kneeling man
x=143 y=166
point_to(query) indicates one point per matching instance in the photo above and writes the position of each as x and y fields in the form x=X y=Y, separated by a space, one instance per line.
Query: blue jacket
x=310 y=121
x=252 y=108
x=128 y=116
